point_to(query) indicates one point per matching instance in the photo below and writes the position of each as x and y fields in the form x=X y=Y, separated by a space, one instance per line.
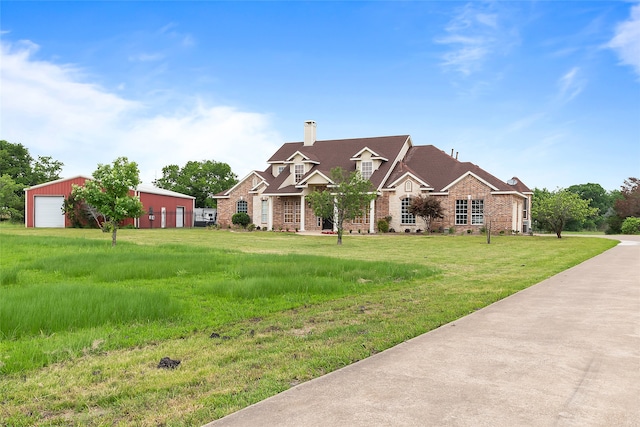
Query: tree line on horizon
x=588 y=207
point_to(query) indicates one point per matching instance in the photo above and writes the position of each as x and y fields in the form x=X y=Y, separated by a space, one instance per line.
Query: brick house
x=399 y=171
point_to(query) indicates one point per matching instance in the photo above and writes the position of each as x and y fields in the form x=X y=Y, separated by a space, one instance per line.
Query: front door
x=327 y=224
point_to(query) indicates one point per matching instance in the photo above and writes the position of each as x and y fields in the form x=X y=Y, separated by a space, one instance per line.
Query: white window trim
x=297 y=177
x=403 y=216
x=366 y=174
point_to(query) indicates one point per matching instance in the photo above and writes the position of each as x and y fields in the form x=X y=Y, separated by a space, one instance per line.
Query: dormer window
x=366 y=169
x=298 y=172
x=280 y=169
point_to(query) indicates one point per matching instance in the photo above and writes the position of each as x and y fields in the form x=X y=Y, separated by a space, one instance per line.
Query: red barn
x=163 y=208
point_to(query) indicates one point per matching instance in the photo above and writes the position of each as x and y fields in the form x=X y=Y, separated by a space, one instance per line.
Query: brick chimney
x=309 y=132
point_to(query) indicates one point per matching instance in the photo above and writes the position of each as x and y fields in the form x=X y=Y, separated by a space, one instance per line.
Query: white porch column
x=270 y=213
x=302 y=212
x=372 y=219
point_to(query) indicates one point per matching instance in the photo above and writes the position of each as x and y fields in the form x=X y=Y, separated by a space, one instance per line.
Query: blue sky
x=547 y=91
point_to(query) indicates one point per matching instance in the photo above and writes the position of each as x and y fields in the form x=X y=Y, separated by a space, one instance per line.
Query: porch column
x=372 y=214
x=302 y=212
x=270 y=213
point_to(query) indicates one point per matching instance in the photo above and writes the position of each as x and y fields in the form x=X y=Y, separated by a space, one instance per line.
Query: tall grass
x=43 y=309
x=64 y=286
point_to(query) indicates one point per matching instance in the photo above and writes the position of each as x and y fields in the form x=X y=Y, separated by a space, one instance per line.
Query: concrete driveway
x=565 y=352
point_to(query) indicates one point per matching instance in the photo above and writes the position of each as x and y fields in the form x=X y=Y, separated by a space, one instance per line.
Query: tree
x=552 y=211
x=629 y=204
x=346 y=198
x=427 y=208
x=599 y=199
x=108 y=193
x=198 y=179
x=11 y=205
x=18 y=165
x=16 y=162
x=45 y=169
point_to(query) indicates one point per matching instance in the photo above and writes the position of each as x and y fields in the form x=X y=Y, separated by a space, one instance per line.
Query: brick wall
x=497 y=208
x=227 y=207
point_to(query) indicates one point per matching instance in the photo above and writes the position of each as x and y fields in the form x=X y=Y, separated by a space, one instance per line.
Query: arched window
x=241 y=206
x=405 y=216
x=408 y=186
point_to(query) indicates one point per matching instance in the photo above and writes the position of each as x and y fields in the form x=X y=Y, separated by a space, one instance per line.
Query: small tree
x=78 y=212
x=347 y=197
x=552 y=211
x=427 y=208
x=108 y=193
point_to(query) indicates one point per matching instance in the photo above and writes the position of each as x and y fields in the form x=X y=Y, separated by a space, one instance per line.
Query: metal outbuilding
x=163 y=208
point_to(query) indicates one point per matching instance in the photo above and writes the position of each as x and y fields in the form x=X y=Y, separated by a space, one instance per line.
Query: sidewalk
x=565 y=352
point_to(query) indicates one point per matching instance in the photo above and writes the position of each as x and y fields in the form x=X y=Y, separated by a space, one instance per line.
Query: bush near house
x=242 y=219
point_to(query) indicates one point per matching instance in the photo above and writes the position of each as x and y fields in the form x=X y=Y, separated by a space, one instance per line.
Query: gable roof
x=141 y=188
x=45 y=184
x=434 y=169
x=152 y=189
x=338 y=153
x=441 y=170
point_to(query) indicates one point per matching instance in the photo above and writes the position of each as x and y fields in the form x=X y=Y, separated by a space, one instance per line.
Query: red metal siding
x=157 y=201
x=56 y=188
x=171 y=205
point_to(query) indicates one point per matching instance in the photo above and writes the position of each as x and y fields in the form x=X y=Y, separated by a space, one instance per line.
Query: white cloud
x=626 y=41
x=52 y=110
x=146 y=57
x=473 y=35
x=571 y=84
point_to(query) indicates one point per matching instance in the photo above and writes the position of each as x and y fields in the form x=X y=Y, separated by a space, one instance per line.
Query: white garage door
x=49 y=211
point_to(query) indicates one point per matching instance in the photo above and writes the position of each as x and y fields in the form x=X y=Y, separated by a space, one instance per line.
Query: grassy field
x=83 y=325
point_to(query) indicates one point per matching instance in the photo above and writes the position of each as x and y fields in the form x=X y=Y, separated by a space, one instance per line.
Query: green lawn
x=83 y=325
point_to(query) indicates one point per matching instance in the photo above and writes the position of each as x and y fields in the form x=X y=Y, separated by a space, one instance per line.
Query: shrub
x=241 y=218
x=631 y=225
x=252 y=227
x=383 y=226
